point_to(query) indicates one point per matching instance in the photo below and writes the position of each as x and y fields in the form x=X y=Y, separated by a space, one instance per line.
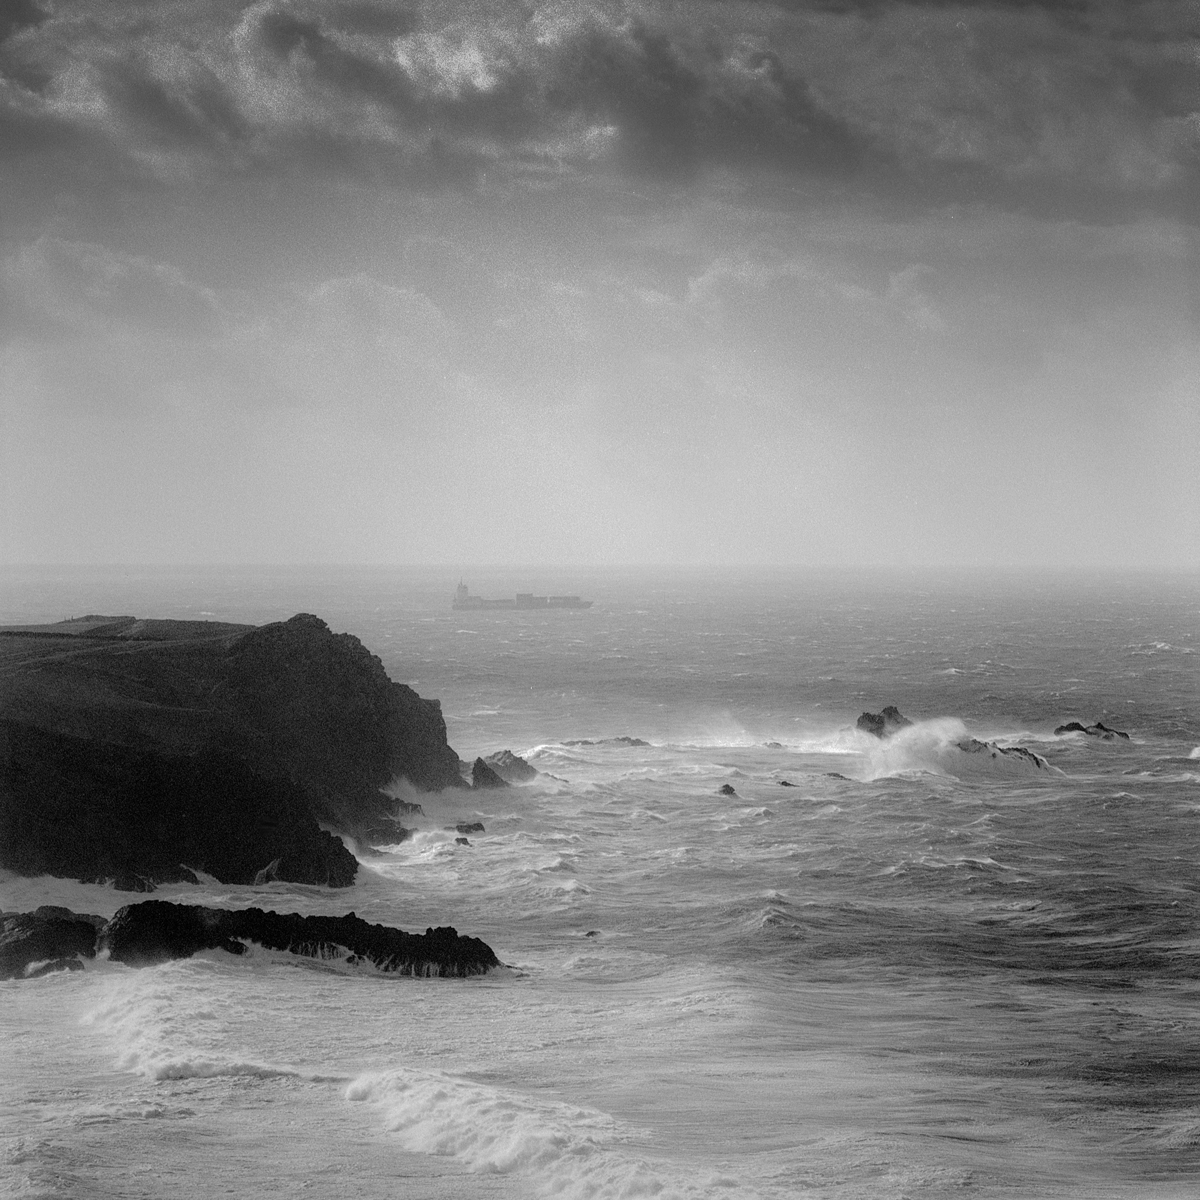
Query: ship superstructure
x=523 y=600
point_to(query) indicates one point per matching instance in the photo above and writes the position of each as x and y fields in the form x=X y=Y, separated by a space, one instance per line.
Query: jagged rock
x=1098 y=730
x=461 y=841
x=470 y=827
x=1018 y=753
x=157 y=746
x=726 y=789
x=883 y=724
x=510 y=766
x=155 y=931
x=48 y=939
x=482 y=776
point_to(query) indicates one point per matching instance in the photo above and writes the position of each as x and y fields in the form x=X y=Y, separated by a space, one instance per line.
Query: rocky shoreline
x=138 y=752
x=153 y=931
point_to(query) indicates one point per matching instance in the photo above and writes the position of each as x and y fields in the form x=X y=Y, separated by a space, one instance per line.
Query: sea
x=911 y=973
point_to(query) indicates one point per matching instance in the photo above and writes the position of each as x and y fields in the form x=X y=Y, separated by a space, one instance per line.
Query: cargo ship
x=523 y=600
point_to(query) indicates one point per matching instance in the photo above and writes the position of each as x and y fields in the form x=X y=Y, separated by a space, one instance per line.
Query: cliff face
x=134 y=750
x=319 y=708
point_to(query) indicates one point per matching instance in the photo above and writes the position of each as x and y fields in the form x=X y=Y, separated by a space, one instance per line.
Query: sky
x=724 y=282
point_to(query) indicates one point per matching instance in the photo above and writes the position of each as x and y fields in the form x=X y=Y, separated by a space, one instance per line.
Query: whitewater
x=877 y=969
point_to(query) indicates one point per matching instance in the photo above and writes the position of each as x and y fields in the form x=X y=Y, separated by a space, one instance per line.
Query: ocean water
x=913 y=973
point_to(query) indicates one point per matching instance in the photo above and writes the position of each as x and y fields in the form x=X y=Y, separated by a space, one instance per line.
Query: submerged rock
x=156 y=931
x=48 y=939
x=1098 y=730
x=482 y=776
x=883 y=724
x=511 y=767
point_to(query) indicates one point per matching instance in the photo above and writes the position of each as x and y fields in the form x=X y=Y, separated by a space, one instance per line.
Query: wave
x=556 y=1149
x=943 y=746
x=172 y=1022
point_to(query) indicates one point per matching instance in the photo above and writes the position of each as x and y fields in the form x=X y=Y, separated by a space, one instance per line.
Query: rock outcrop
x=1098 y=730
x=1013 y=753
x=511 y=767
x=155 y=930
x=883 y=724
x=482 y=776
x=47 y=939
x=55 y=939
x=135 y=750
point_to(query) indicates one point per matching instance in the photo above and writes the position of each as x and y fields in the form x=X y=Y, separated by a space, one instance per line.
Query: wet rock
x=786 y=783
x=511 y=767
x=1016 y=753
x=726 y=789
x=883 y=724
x=48 y=939
x=470 y=827
x=1098 y=730
x=482 y=776
x=461 y=841
x=156 y=931
x=612 y=741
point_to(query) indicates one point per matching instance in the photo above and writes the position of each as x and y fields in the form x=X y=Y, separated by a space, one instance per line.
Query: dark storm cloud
x=1000 y=100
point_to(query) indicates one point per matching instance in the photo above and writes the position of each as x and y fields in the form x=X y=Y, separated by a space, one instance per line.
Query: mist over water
x=913 y=972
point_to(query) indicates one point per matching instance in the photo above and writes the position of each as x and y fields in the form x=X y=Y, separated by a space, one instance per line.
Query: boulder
x=883 y=724
x=155 y=931
x=47 y=939
x=482 y=776
x=511 y=767
x=469 y=827
x=726 y=789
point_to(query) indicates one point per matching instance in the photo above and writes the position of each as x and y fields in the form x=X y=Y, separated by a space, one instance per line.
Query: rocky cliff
x=137 y=750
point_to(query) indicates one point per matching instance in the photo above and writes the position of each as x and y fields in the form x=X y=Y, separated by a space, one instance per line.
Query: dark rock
x=461 y=841
x=786 y=783
x=1098 y=730
x=726 y=789
x=592 y=933
x=613 y=741
x=156 y=746
x=470 y=827
x=773 y=745
x=482 y=776
x=511 y=767
x=48 y=939
x=883 y=724
x=1018 y=753
x=98 y=811
x=155 y=931
x=838 y=775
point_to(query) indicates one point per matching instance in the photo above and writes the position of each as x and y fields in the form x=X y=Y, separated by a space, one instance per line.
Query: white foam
x=932 y=747
x=555 y=1149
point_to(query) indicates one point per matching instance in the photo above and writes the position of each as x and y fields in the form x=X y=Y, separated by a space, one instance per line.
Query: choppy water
x=928 y=976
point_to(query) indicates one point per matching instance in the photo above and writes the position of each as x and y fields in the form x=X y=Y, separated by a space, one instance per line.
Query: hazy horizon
x=842 y=283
